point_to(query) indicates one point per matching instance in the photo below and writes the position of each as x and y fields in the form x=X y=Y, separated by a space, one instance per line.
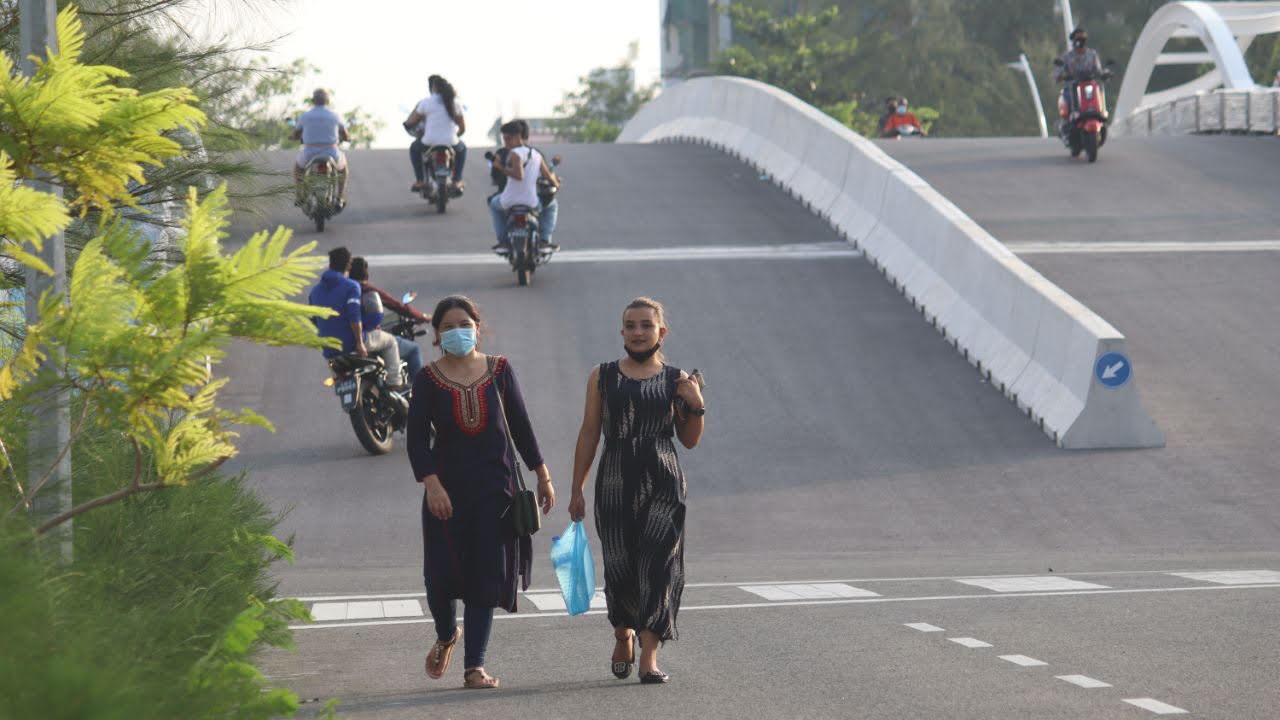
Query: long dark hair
x=448 y=95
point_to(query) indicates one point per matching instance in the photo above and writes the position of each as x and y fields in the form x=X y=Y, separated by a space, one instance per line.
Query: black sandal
x=657 y=677
x=622 y=668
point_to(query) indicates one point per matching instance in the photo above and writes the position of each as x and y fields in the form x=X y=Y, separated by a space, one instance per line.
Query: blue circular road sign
x=1113 y=369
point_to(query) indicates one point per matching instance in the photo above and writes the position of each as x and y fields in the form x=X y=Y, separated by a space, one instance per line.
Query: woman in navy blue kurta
x=457 y=441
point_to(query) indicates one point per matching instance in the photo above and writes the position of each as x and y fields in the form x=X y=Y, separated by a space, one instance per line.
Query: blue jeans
x=417 y=150
x=476 y=624
x=411 y=354
x=546 y=220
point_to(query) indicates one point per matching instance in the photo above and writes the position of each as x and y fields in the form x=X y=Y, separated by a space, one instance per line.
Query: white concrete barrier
x=1062 y=364
x=1219 y=111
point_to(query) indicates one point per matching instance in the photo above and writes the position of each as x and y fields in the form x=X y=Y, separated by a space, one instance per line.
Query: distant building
x=693 y=34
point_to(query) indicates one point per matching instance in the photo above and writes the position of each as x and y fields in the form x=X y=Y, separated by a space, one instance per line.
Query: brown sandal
x=440 y=654
x=622 y=668
x=477 y=679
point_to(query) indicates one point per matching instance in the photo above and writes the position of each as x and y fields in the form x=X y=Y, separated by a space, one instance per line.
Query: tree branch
x=98 y=502
x=8 y=462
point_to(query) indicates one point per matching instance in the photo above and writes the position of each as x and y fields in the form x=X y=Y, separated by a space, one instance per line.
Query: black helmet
x=1080 y=33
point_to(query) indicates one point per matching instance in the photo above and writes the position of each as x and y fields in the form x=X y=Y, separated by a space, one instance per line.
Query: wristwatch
x=697 y=411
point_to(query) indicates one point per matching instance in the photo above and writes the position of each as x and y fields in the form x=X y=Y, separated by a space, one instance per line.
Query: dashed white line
x=1155 y=706
x=1023 y=660
x=1035 y=248
x=970 y=642
x=923 y=627
x=1083 y=681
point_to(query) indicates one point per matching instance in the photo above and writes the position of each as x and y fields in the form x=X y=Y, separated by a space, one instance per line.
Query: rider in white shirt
x=523 y=166
x=437 y=120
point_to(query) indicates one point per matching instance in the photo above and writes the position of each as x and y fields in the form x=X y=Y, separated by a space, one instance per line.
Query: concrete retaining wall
x=1036 y=343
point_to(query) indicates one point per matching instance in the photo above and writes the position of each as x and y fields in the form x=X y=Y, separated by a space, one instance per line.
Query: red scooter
x=1083 y=123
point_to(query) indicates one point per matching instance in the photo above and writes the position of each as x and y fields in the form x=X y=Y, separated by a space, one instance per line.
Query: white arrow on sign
x=1110 y=371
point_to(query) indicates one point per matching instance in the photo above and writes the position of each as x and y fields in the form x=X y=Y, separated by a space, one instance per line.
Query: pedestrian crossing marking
x=1233 y=577
x=1038 y=583
x=810 y=591
x=367 y=610
x=555 y=601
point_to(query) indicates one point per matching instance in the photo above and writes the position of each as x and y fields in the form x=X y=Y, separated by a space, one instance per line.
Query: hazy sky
x=504 y=56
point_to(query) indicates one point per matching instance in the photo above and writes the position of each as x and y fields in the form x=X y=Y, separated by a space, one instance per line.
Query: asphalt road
x=849 y=449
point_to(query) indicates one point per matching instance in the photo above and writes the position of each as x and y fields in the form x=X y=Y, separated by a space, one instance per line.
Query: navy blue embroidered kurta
x=458 y=433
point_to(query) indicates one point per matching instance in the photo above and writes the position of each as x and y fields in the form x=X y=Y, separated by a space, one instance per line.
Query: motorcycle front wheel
x=319 y=223
x=372 y=433
x=1091 y=146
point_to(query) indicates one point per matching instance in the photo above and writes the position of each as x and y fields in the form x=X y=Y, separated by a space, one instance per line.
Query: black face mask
x=644 y=355
x=1079 y=42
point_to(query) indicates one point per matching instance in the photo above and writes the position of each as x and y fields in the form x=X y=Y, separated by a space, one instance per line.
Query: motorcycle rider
x=374 y=301
x=437 y=120
x=1081 y=62
x=320 y=130
x=339 y=293
x=901 y=116
x=522 y=166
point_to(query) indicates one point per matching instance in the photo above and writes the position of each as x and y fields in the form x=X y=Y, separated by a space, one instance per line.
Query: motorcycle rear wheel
x=375 y=436
x=319 y=223
x=441 y=201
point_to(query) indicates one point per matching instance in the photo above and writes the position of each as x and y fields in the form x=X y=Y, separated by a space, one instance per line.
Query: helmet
x=1080 y=34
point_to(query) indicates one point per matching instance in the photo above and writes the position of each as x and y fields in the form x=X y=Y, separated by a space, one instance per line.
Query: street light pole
x=50 y=420
x=1068 y=22
x=1025 y=66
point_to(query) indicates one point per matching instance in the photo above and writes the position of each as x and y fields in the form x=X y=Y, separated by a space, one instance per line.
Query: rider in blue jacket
x=337 y=292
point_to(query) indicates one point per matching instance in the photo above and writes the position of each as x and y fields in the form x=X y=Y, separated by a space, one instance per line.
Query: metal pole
x=1068 y=23
x=50 y=420
x=1025 y=66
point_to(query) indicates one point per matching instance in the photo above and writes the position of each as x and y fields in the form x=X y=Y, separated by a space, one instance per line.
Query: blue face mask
x=902 y=109
x=458 y=341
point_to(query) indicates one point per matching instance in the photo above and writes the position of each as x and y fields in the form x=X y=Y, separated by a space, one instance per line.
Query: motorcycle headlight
x=1088 y=92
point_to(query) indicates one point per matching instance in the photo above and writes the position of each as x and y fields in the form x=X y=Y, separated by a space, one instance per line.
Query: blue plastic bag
x=575 y=568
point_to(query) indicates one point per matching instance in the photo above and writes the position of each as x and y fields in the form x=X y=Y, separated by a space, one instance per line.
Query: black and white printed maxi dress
x=640 y=501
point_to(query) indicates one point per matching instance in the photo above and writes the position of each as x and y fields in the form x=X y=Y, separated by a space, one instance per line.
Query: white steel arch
x=1225 y=28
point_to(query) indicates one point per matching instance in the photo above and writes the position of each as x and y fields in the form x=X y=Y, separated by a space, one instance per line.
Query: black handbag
x=526 y=518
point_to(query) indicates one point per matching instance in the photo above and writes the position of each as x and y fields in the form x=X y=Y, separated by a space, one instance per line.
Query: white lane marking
x=1031 y=584
x=845 y=601
x=401 y=608
x=807 y=591
x=1073 y=248
x=555 y=601
x=369 y=610
x=1156 y=706
x=970 y=642
x=1233 y=577
x=1083 y=681
x=740 y=583
x=923 y=627
x=325 y=612
x=794 y=251
x=1023 y=660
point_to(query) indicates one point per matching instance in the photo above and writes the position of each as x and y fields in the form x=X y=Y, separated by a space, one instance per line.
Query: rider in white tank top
x=525 y=190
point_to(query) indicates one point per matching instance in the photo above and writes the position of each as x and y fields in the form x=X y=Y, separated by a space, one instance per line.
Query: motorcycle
x=906 y=131
x=319 y=198
x=437 y=186
x=1082 y=124
x=363 y=386
x=522 y=231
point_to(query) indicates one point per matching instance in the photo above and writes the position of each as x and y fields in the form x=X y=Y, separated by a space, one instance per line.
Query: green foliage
x=160 y=613
x=801 y=54
x=603 y=102
x=73 y=121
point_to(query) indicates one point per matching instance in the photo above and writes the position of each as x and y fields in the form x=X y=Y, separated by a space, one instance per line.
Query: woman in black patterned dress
x=639 y=403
